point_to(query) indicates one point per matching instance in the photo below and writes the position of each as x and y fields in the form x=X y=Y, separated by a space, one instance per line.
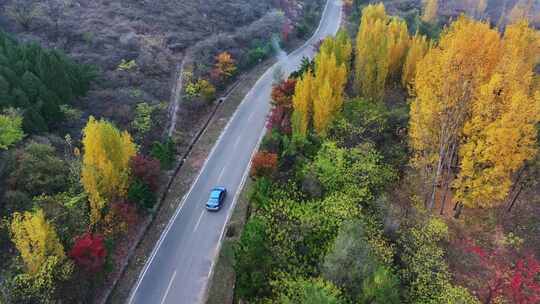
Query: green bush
x=253 y=261
x=165 y=152
x=307 y=291
x=39 y=171
x=351 y=251
x=10 y=129
x=141 y=194
x=142 y=123
x=381 y=287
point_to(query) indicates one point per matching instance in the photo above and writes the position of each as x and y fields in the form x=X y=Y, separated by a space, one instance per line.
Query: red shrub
x=147 y=170
x=283 y=92
x=280 y=116
x=505 y=275
x=89 y=252
x=264 y=164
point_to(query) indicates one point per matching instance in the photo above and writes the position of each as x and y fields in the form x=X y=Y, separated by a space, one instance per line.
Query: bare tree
x=55 y=10
x=23 y=12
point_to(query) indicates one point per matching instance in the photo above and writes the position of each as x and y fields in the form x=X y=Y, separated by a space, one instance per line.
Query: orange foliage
x=264 y=164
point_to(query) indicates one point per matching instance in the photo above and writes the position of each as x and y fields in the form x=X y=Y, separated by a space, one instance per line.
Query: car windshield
x=214 y=194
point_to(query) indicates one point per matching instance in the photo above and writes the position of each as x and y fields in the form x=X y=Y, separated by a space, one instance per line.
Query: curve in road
x=181 y=264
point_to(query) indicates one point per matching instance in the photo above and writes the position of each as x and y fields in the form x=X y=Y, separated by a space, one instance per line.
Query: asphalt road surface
x=181 y=264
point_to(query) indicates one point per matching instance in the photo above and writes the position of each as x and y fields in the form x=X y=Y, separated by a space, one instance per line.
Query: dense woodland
x=392 y=169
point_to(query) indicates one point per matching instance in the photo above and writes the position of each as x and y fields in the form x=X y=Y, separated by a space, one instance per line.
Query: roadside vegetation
x=399 y=168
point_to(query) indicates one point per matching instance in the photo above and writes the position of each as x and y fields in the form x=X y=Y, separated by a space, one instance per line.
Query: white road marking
x=168 y=288
x=198 y=221
x=251 y=116
x=221 y=174
x=308 y=43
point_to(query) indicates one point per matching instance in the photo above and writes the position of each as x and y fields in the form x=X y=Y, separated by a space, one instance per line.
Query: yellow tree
x=225 y=65
x=501 y=134
x=430 y=10
x=35 y=238
x=445 y=82
x=328 y=86
x=371 y=66
x=340 y=46
x=105 y=171
x=398 y=43
x=302 y=104
x=381 y=47
x=419 y=46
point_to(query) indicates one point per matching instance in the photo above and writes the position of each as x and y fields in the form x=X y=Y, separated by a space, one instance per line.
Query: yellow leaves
x=317 y=99
x=398 y=43
x=225 y=64
x=445 y=82
x=419 y=46
x=475 y=89
x=302 y=104
x=501 y=133
x=35 y=238
x=340 y=46
x=105 y=172
x=328 y=86
x=322 y=107
x=381 y=46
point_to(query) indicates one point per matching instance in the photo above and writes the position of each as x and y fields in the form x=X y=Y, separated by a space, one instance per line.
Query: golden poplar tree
x=398 y=43
x=501 y=134
x=340 y=46
x=328 y=86
x=430 y=10
x=303 y=104
x=35 y=238
x=105 y=171
x=323 y=103
x=381 y=46
x=372 y=53
x=445 y=82
x=418 y=48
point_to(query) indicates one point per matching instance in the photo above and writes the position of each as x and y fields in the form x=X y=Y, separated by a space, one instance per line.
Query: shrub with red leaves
x=505 y=275
x=89 y=252
x=147 y=170
x=280 y=116
x=264 y=164
x=283 y=92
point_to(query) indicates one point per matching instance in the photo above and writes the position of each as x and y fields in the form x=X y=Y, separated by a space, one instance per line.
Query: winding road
x=181 y=264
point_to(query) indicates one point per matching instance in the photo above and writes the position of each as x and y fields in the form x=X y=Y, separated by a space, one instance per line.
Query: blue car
x=217 y=197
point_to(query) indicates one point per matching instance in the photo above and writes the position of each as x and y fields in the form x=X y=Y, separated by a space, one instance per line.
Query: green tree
x=10 y=129
x=351 y=259
x=308 y=291
x=253 y=261
x=382 y=287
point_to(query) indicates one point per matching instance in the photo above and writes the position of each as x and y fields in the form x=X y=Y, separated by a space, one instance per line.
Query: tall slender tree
x=105 y=172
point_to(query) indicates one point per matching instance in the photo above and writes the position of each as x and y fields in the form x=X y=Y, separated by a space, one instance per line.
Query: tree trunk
x=458 y=210
x=448 y=177
x=514 y=199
